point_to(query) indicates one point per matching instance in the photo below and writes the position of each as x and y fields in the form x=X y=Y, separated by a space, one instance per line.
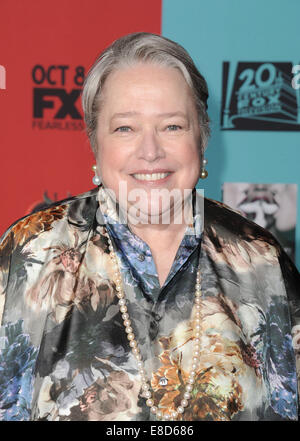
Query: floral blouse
x=64 y=353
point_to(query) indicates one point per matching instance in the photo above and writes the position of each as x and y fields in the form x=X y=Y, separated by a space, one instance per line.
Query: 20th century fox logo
x=260 y=95
x=2 y=77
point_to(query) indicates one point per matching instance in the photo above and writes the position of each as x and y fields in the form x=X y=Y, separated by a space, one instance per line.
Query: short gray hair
x=142 y=47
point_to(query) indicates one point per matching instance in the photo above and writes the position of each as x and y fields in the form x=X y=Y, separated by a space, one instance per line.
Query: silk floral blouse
x=64 y=353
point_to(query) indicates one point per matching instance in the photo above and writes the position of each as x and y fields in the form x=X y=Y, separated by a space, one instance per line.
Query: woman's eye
x=123 y=129
x=173 y=127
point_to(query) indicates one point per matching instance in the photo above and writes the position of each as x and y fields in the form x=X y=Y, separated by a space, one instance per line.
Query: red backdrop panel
x=45 y=49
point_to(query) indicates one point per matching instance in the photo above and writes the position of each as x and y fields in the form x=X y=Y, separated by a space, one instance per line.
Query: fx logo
x=44 y=98
x=2 y=77
x=57 y=98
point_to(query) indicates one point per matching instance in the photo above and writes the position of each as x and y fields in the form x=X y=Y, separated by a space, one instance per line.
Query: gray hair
x=142 y=47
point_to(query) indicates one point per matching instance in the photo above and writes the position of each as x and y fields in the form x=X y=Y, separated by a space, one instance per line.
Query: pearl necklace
x=172 y=414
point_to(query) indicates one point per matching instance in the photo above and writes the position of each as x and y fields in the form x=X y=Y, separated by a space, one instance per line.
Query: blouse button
x=141 y=257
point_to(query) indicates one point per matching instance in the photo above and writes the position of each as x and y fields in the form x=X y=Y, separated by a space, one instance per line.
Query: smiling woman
x=148 y=137
x=142 y=300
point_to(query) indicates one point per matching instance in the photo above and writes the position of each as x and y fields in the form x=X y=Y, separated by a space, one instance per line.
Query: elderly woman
x=142 y=300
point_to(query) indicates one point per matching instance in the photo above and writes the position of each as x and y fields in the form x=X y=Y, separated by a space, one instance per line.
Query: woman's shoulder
x=232 y=239
x=222 y=220
x=78 y=211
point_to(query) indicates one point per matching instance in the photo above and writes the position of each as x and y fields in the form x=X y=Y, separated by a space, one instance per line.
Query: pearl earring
x=96 y=179
x=203 y=172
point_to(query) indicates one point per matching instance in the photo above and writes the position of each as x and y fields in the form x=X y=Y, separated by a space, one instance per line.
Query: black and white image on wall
x=272 y=206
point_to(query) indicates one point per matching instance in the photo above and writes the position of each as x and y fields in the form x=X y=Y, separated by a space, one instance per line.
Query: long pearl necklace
x=172 y=414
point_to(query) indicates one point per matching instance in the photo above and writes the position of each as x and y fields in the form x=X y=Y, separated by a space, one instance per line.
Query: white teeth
x=150 y=177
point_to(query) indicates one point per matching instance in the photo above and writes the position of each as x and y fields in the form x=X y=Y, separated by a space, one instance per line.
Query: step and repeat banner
x=249 y=53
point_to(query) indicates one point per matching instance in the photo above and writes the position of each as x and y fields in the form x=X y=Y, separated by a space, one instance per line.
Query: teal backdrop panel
x=235 y=31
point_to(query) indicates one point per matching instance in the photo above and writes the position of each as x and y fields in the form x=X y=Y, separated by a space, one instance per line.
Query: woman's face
x=148 y=136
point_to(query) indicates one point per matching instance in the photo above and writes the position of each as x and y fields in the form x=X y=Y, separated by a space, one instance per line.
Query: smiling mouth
x=150 y=176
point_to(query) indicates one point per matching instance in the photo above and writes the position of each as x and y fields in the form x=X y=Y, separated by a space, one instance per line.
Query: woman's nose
x=150 y=147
